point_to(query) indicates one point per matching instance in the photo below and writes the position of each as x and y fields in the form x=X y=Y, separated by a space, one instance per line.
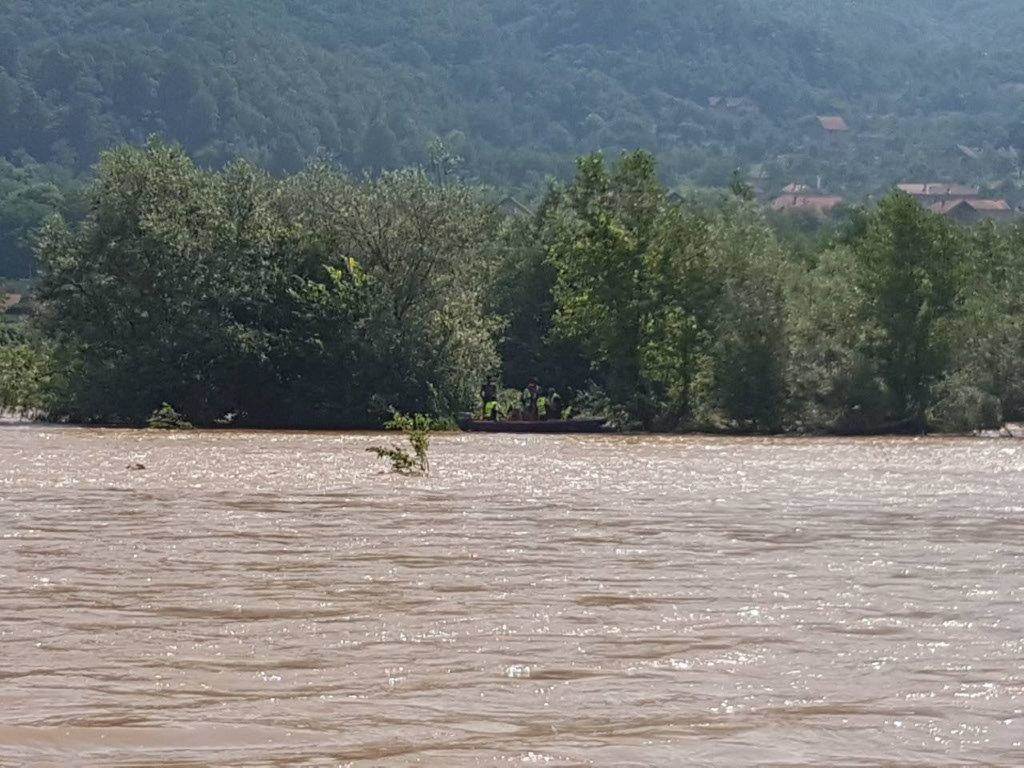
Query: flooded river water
x=258 y=599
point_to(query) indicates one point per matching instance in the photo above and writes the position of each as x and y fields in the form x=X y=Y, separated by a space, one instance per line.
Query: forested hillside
x=516 y=87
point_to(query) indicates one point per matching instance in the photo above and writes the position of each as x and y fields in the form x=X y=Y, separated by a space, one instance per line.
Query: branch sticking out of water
x=417 y=430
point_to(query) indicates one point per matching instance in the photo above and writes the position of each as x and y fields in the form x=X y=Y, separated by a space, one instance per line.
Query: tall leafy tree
x=680 y=311
x=598 y=239
x=910 y=277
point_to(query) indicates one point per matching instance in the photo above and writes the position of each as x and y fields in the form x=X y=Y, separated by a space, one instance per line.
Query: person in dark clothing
x=531 y=398
x=489 y=396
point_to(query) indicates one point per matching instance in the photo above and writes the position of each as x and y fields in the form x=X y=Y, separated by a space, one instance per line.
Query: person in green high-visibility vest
x=489 y=396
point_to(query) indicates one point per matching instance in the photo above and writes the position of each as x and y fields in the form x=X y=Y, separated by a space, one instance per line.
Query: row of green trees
x=694 y=315
x=309 y=300
x=322 y=300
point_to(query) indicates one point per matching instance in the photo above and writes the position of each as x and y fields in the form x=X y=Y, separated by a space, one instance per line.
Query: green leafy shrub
x=417 y=431
x=960 y=406
x=165 y=417
x=24 y=374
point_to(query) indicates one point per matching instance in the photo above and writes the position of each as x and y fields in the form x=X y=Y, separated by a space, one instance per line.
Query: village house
x=961 y=203
x=834 y=126
x=8 y=302
x=929 y=193
x=815 y=205
x=797 y=197
x=833 y=123
x=969 y=153
x=973 y=210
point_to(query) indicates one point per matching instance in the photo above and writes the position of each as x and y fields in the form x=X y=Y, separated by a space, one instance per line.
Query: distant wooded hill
x=519 y=87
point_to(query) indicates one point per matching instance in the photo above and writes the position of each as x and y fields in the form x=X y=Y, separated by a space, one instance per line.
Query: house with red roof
x=973 y=210
x=929 y=193
x=8 y=301
x=815 y=205
x=833 y=124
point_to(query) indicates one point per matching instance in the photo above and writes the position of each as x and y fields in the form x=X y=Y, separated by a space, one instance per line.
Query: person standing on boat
x=531 y=401
x=555 y=409
x=489 y=395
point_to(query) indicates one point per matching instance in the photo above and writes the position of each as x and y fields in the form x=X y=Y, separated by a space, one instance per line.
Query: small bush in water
x=165 y=417
x=417 y=431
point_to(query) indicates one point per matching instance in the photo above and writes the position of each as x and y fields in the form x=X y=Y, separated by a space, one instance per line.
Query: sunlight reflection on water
x=277 y=599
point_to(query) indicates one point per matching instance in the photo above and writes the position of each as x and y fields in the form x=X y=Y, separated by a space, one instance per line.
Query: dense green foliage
x=516 y=87
x=30 y=193
x=312 y=300
x=24 y=371
x=319 y=300
x=166 y=418
x=680 y=312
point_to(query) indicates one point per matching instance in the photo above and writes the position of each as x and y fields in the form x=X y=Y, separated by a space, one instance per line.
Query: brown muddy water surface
x=269 y=599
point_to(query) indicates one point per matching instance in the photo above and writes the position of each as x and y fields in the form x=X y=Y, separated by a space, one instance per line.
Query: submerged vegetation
x=322 y=300
x=165 y=417
x=416 y=430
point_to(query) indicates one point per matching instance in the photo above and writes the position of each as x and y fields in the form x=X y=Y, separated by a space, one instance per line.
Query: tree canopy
x=322 y=299
x=311 y=300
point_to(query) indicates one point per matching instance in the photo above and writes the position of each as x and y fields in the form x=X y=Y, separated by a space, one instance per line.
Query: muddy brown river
x=276 y=599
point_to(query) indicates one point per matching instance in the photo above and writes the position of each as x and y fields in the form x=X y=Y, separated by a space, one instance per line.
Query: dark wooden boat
x=564 y=427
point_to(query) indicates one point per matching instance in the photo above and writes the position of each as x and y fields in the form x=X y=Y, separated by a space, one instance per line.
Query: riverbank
x=1014 y=431
x=1010 y=430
